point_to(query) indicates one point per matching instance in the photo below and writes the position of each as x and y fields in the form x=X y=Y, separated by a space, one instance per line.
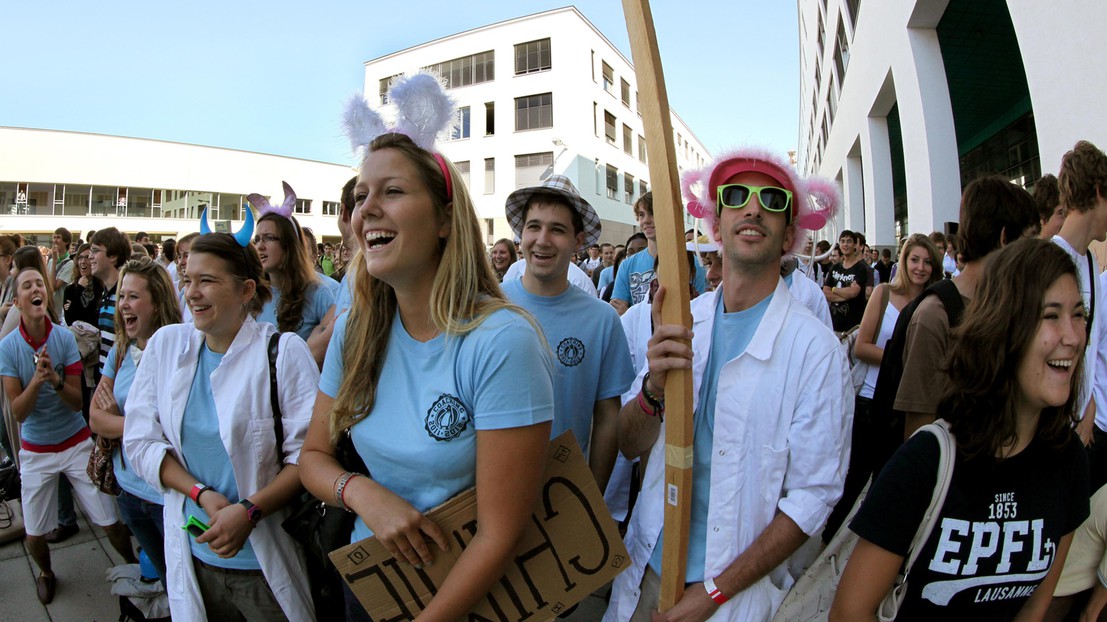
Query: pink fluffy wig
x=815 y=200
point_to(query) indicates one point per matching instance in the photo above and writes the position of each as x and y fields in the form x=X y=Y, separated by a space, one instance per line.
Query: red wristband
x=645 y=406
x=196 y=491
x=713 y=592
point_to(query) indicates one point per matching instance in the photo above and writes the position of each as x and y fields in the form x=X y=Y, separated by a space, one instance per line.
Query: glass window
x=533 y=112
x=303 y=206
x=384 y=87
x=612 y=182
x=628 y=140
x=628 y=188
x=641 y=148
x=467 y=70
x=642 y=187
x=330 y=208
x=532 y=57
x=463 y=169
x=624 y=92
x=489 y=175
x=608 y=78
x=461 y=124
x=489 y=118
x=530 y=168
x=609 y=126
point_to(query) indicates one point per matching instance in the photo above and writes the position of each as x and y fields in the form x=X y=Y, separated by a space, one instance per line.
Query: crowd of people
x=218 y=377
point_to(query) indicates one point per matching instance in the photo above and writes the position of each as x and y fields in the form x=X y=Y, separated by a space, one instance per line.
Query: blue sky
x=272 y=76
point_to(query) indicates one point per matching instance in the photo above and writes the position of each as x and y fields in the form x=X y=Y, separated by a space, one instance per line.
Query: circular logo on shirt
x=447 y=418
x=570 y=351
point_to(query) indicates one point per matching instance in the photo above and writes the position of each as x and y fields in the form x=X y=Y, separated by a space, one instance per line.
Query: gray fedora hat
x=560 y=186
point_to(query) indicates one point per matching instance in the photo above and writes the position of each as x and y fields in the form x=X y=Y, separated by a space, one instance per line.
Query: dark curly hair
x=989 y=345
x=1083 y=176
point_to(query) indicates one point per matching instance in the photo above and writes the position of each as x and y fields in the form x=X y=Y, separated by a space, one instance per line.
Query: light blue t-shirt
x=590 y=347
x=632 y=282
x=731 y=334
x=128 y=479
x=319 y=301
x=420 y=438
x=207 y=459
x=606 y=276
x=51 y=421
x=331 y=285
x=344 y=299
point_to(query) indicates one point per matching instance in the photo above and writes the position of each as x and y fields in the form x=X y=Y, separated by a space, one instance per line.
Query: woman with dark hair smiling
x=202 y=430
x=1020 y=479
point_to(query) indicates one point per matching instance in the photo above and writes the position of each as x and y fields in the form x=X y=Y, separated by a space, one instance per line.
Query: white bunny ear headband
x=423 y=111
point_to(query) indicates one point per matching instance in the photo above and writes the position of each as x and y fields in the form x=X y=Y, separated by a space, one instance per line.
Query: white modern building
x=539 y=95
x=905 y=102
x=83 y=182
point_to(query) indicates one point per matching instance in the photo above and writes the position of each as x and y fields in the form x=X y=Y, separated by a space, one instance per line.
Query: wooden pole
x=668 y=212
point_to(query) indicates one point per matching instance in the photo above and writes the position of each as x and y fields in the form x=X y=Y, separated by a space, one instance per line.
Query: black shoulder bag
x=318 y=529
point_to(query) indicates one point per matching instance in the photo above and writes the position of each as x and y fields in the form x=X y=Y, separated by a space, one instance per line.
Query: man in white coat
x=772 y=407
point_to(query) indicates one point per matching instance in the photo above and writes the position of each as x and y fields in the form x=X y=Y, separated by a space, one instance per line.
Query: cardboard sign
x=570 y=549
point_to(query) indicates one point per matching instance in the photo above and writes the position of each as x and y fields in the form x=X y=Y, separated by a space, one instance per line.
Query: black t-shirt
x=884 y=270
x=841 y=276
x=997 y=532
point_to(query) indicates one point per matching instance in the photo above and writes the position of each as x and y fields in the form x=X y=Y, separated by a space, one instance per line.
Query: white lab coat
x=240 y=385
x=784 y=408
x=811 y=296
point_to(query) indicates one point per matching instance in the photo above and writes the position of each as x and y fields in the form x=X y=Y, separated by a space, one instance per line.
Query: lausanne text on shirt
x=988 y=539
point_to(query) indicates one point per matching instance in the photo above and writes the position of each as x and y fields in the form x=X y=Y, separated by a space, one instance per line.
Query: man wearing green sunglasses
x=772 y=403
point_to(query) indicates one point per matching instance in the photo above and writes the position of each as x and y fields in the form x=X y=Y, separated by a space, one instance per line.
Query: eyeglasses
x=268 y=239
x=82 y=258
x=772 y=198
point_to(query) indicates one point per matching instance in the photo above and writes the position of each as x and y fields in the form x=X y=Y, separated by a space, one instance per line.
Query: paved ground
x=84 y=594
x=80 y=563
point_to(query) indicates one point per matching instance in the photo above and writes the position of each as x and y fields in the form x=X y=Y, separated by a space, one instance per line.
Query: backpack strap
x=274 y=396
x=951 y=300
x=1091 y=281
x=885 y=295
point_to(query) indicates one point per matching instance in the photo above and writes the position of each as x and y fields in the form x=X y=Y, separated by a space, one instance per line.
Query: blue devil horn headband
x=244 y=235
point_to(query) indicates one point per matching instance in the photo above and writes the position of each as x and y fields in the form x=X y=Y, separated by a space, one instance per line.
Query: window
x=330 y=208
x=628 y=188
x=612 y=182
x=609 y=126
x=461 y=124
x=593 y=65
x=532 y=57
x=642 y=187
x=489 y=118
x=467 y=70
x=533 y=112
x=841 y=52
x=628 y=140
x=489 y=175
x=595 y=119
x=463 y=168
x=642 y=149
x=852 y=7
x=608 y=78
x=624 y=92
x=303 y=206
x=637 y=103
x=488 y=232
x=384 y=87
x=530 y=167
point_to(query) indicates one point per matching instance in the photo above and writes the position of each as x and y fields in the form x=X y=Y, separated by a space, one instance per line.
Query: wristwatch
x=253 y=512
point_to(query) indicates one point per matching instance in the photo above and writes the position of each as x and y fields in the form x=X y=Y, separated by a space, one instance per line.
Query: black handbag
x=318 y=529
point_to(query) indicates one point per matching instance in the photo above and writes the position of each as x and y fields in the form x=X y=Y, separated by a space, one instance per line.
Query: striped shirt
x=106 y=323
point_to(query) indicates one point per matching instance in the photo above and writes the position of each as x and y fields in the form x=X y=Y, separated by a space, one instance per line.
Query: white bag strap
x=947 y=449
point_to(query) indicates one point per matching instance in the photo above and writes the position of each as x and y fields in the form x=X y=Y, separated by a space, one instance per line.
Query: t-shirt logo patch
x=447 y=418
x=570 y=351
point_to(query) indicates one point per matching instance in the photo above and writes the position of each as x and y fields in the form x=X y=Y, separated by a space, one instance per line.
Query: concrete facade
x=859 y=59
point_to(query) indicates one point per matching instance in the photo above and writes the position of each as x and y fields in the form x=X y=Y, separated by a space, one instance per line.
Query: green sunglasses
x=772 y=198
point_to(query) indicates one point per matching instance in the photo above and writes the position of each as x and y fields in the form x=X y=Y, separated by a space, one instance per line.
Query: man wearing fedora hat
x=593 y=360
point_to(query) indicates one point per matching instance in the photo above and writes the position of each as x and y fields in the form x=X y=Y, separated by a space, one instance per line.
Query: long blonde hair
x=464 y=293
x=167 y=310
x=900 y=282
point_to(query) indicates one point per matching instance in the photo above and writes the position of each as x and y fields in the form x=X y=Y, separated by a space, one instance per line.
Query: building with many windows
x=905 y=102
x=83 y=182
x=539 y=95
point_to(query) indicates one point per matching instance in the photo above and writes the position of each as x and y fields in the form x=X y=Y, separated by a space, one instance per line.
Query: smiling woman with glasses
x=82 y=296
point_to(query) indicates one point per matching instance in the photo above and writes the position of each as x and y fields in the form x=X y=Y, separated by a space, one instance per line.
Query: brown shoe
x=62 y=533
x=44 y=586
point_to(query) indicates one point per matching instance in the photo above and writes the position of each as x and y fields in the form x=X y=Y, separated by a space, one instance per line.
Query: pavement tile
x=17 y=598
x=83 y=591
